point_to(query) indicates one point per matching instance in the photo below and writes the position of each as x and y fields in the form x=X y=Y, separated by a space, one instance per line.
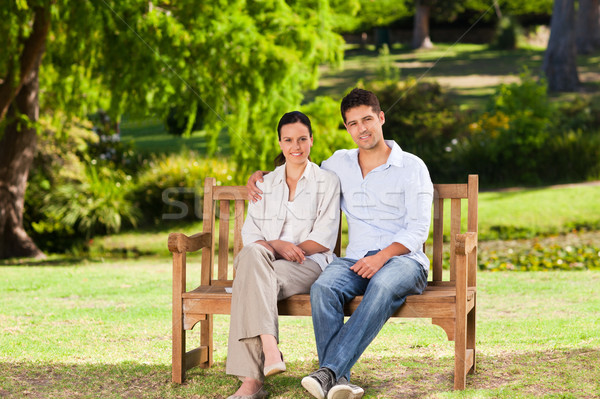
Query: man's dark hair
x=358 y=97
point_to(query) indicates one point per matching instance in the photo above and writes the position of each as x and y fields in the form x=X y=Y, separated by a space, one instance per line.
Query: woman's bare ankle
x=249 y=386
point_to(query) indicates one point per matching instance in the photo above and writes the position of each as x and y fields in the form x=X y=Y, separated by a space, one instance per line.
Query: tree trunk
x=17 y=149
x=560 y=57
x=587 y=30
x=33 y=46
x=421 y=25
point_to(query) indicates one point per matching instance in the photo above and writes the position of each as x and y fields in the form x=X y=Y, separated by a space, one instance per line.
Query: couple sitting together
x=289 y=235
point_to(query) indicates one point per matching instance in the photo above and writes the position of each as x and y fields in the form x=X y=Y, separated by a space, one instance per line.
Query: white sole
x=345 y=392
x=313 y=387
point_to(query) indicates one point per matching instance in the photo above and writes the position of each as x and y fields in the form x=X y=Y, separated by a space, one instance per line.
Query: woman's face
x=295 y=142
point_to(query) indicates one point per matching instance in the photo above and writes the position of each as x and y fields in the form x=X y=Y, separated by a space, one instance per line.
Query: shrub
x=571 y=156
x=96 y=203
x=79 y=184
x=55 y=162
x=170 y=186
x=507 y=32
x=524 y=138
x=506 y=142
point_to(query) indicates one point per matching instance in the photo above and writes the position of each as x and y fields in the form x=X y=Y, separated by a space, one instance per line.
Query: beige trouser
x=260 y=281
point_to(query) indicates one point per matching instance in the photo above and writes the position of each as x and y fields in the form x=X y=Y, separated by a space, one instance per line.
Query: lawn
x=102 y=330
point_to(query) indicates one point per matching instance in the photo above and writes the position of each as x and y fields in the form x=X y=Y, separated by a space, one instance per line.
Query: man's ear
x=382 y=117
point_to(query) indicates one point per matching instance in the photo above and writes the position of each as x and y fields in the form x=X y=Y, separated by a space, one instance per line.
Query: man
x=386 y=197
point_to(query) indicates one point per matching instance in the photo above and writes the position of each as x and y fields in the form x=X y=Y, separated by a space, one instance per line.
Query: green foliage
x=244 y=63
x=95 y=203
x=580 y=113
x=524 y=138
x=507 y=140
x=423 y=120
x=524 y=7
x=367 y=14
x=571 y=156
x=507 y=32
x=386 y=69
x=55 y=163
x=540 y=258
x=79 y=185
x=183 y=121
x=328 y=132
x=170 y=187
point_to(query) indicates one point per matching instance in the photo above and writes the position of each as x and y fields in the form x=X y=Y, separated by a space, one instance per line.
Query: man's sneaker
x=319 y=382
x=344 y=390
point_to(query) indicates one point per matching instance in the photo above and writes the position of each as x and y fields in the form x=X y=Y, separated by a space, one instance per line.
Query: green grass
x=527 y=213
x=150 y=137
x=102 y=329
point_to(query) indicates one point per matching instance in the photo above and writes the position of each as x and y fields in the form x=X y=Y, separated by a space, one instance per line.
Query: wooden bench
x=450 y=304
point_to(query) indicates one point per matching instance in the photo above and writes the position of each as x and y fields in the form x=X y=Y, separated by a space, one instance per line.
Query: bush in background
x=422 y=118
x=170 y=186
x=79 y=185
x=97 y=202
x=524 y=138
x=507 y=32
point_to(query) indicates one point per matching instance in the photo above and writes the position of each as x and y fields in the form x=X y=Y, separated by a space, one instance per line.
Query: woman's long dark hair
x=287 y=119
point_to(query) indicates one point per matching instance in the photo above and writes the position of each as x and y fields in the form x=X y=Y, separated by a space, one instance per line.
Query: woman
x=288 y=240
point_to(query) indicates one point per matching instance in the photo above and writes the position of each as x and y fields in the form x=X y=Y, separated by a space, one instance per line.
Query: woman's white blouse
x=316 y=210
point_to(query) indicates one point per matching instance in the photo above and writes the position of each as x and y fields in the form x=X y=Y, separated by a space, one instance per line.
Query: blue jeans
x=340 y=345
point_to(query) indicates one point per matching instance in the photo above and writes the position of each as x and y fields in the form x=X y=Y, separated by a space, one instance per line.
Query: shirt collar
x=279 y=173
x=396 y=157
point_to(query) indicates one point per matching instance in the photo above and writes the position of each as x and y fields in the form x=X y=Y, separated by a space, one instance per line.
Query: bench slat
x=434 y=302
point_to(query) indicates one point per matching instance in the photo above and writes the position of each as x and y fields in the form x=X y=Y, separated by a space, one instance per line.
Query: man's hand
x=369 y=265
x=253 y=191
x=288 y=251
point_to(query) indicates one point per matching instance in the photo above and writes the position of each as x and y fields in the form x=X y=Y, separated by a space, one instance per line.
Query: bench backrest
x=228 y=204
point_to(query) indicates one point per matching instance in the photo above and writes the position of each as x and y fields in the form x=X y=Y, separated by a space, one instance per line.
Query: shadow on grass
x=553 y=373
x=63 y=260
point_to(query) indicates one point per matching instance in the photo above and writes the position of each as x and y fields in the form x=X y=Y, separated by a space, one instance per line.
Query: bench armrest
x=180 y=243
x=466 y=243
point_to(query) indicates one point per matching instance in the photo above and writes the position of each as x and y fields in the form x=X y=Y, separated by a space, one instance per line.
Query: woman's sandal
x=275 y=368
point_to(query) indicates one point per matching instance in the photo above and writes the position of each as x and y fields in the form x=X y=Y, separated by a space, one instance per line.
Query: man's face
x=365 y=126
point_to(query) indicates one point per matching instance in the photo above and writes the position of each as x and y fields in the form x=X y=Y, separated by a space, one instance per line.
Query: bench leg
x=177 y=361
x=206 y=342
x=464 y=348
x=460 y=354
x=471 y=332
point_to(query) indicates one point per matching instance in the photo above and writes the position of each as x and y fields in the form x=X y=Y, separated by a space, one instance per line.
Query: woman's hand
x=253 y=191
x=288 y=251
